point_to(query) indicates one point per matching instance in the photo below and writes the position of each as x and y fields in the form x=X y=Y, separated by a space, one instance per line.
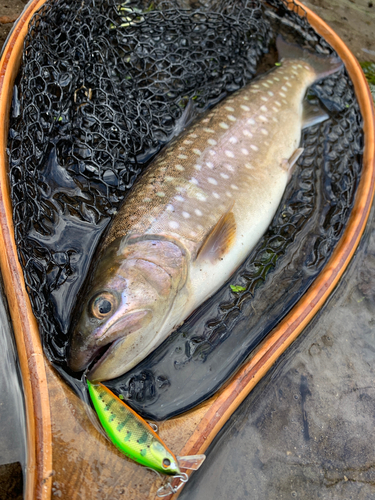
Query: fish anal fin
x=220 y=239
x=289 y=165
x=312 y=115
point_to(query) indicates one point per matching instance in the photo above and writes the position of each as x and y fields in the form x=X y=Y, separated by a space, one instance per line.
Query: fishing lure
x=136 y=439
x=132 y=435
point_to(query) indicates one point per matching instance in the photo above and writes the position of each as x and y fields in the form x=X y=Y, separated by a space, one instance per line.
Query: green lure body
x=130 y=433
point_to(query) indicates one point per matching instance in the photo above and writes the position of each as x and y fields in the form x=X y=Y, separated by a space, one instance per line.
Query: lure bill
x=194 y=216
x=132 y=435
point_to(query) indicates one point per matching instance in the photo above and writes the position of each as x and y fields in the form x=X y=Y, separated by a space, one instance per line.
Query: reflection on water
x=306 y=431
x=12 y=415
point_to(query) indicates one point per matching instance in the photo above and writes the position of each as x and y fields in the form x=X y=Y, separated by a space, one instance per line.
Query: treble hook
x=168 y=489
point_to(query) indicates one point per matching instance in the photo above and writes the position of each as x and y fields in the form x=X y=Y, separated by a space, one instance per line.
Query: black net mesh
x=102 y=87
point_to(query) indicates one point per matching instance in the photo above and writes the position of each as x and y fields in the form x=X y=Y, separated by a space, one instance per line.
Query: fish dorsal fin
x=220 y=239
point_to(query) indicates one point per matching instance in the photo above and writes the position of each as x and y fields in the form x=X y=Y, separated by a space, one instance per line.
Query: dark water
x=12 y=412
x=307 y=430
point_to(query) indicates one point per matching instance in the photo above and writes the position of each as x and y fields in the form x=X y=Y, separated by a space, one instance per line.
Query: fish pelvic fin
x=323 y=66
x=220 y=239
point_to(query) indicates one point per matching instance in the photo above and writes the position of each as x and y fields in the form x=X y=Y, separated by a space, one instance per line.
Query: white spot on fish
x=276 y=110
x=180 y=168
x=249 y=166
x=205 y=120
x=245 y=108
x=200 y=197
x=231 y=118
x=168 y=178
x=233 y=186
x=255 y=85
x=300 y=66
x=209 y=130
x=212 y=181
x=223 y=125
x=212 y=152
x=198 y=167
x=245 y=98
x=212 y=142
x=194 y=136
x=215 y=195
x=265 y=84
x=244 y=151
x=265 y=99
x=229 y=108
x=247 y=133
x=197 y=152
x=270 y=93
x=199 y=227
x=229 y=194
x=264 y=131
x=179 y=198
x=251 y=121
x=307 y=67
x=282 y=94
x=198 y=212
x=254 y=91
x=285 y=101
x=263 y=118
x=278 y=103
x=277 y=79
x=210 y=165
x=228 y=153
x=229 y=167
x=295 y=67
x=224 y=176
x=193 y=180
x=270 y=81
x=182 y=157
x=146 y=200
x=289 y=84
x=170 y=208
x=188 y=142
x=173 y=224
x=254 y=148
x=233 y=140
x=264 y=109
x=160 y=194
x=285 y=89
x=186 y=215
x=275 y=119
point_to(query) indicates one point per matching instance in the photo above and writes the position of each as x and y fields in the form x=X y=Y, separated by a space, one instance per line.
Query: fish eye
x=166 y=462
x=102 y=305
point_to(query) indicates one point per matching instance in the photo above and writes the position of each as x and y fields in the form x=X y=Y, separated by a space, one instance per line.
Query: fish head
x=124 y=306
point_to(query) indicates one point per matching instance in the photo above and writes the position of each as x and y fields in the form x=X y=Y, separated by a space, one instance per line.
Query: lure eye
x=166 y=462
x=102 y=305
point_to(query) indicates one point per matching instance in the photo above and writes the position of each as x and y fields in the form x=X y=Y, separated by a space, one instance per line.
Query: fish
x=134 y=437
x=194 y=216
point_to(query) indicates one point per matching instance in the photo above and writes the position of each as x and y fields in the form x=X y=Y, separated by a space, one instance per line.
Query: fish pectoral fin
x=289 y=165
x=220 y=239
x=312 y=114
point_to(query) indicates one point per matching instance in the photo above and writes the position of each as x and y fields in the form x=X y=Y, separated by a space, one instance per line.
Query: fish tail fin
x=322 y=65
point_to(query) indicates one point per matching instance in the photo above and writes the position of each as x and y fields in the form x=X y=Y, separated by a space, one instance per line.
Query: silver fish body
x=193 y=217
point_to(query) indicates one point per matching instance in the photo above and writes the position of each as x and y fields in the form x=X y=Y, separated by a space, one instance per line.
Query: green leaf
x=237 y=288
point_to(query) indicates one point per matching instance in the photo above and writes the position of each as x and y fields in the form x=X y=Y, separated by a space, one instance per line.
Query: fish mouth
x=88 y=356
x=101 y=355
